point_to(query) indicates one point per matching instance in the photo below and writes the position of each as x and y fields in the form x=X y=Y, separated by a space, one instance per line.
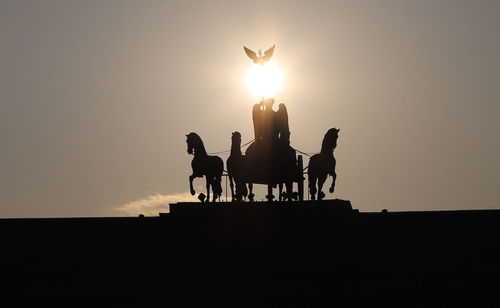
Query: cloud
x=152 y=205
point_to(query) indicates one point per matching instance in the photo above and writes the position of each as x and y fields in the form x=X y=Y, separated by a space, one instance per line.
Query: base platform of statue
x=323 y=207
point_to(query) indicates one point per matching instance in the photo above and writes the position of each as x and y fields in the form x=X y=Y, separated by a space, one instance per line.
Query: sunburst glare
x=264 y=80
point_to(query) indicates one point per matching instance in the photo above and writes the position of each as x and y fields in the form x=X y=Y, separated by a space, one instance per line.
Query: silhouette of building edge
x=305 y=254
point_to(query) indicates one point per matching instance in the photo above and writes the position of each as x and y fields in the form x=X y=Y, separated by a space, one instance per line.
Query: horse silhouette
x=323 y=164
x=236 y=170
x=204 y=165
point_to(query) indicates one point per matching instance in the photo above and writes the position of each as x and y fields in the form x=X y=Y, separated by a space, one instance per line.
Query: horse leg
x=208 y=187
x=241 y=190
x=269 y=196
x=321 y=181
x=332 y=188
x=251 y=195
x=280 y=188
x=238 y=195
x=191 y=189
x=312 y=186
x=289 y=192
x=244 y=191
x=232 y=187
x=217 y=184
x=214 y=191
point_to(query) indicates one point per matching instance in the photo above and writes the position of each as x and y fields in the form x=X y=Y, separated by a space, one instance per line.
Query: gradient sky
x=96 y=98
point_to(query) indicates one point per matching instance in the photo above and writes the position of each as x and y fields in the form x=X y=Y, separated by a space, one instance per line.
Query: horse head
x=330 y=139
x=191 y=140
x=333 y=134
x=235 y=137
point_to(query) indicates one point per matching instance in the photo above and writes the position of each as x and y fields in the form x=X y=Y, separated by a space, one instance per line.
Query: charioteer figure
x=272 y=160
x=270 y=127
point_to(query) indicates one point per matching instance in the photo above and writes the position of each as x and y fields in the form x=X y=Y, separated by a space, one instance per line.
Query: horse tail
x=218 y=180
x=312 y=174
x=218 y=177
x=218 y=186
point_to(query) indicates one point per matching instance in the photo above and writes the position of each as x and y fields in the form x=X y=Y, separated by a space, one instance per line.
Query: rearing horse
x=204 y=165
x=323 y=164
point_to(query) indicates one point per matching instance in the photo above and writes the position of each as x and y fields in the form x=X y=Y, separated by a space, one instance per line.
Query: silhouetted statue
x=236 y=169
x=204 y=165
x=270 y=126
x=271 y=159
x=323 y=164
x=260 y=58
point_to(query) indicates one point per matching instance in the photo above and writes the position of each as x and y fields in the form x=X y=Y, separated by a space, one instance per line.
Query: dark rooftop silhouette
x=289 y=253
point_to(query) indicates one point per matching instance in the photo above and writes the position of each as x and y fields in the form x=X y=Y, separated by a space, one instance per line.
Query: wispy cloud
x=152 y=205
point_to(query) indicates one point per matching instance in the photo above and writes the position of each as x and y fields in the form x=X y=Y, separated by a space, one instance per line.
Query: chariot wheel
x=300 y=177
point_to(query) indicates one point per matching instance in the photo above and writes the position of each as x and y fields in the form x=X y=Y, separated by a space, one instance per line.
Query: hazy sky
x=96 y=98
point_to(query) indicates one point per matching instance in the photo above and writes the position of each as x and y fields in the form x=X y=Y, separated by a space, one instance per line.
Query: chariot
x=269 y=160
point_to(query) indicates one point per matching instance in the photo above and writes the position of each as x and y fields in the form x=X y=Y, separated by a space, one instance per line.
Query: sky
x=96 y=98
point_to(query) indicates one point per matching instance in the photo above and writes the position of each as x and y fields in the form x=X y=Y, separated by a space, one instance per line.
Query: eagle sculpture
x=260 y=58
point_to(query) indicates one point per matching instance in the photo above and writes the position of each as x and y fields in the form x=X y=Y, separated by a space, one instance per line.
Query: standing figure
x=323 y=164
x=204 y=165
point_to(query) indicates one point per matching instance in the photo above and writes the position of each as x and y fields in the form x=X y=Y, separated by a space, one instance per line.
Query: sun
x=264 y=80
